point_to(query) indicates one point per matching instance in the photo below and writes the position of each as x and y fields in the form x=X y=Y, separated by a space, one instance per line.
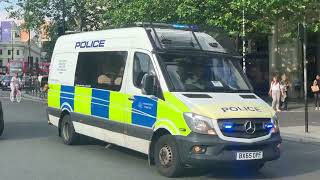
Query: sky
x=3 y=13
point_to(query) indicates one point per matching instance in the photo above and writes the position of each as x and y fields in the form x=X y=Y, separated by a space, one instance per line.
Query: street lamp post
x=305 y=63
x=30 y=64
x=63 y=16
x=243 y=38
x=302 y=34
x=12 y=50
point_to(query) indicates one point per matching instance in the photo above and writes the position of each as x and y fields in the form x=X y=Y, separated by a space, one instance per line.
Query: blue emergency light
x=227 y=126
x=269 y=125
x=180 y=26
x=184 y=26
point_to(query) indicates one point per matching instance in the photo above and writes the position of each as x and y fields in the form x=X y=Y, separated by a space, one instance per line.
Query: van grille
x=239 y=127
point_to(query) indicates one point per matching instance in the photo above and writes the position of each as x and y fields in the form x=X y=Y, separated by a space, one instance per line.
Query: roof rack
x=151 y=25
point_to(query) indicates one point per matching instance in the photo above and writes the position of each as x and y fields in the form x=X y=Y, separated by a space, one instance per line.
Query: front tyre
x=11 y=96
x=18 y=97
x=68 y=133
x=167 y=159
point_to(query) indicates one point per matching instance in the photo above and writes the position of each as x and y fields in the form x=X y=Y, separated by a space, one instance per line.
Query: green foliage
x=260 y=15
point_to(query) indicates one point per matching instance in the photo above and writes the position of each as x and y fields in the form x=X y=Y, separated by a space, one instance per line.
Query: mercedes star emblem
x=250 y=127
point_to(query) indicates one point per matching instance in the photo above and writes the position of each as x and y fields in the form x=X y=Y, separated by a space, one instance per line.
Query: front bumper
x=221 y=152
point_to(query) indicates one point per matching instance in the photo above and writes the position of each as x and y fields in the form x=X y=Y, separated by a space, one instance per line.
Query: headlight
x=199 y=124
x=275 y=121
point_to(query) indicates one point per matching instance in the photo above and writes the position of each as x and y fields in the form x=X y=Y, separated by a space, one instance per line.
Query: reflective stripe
x=145 y=105
x=82 y=100
x=146 y=112
x=117 y=108
x=100 y=97
x=54 y=95
x=171 y=110
x=67 y=96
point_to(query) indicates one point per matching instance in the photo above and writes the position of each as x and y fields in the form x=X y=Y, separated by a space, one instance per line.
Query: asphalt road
x=31 y=150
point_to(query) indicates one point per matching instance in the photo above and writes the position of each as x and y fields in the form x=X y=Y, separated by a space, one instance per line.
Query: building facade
x=13 y=47
x=272 y=54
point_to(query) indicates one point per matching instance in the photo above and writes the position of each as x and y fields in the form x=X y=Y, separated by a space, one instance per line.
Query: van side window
x=102 y=70
x=141 y=65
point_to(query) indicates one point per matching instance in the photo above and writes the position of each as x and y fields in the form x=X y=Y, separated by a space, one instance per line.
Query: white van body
x=122 y=112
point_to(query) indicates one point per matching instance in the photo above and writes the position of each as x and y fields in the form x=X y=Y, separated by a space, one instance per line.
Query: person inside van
x=118 y=79
x=103 y=79
x=194 y=78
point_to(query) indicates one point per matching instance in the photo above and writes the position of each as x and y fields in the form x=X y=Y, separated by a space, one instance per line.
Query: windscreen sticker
x=217 y=83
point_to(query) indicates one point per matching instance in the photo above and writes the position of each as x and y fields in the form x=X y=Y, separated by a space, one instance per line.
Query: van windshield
x=204 y=73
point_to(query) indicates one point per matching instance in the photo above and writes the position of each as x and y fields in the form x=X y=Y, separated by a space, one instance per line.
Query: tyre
x=18 y=97
x=166 y=157
x=11 y=97
x=68 y=133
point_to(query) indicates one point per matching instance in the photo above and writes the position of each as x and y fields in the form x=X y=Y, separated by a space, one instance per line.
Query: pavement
x=33 y=97
x=298 y=133
x=30 y=149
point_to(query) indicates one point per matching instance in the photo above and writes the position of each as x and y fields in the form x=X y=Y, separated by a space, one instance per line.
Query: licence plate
x=249 y=155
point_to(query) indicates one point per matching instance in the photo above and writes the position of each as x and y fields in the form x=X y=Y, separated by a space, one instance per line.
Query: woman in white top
x=275 y=92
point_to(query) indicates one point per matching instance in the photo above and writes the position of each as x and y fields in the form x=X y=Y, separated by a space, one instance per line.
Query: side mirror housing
x=148 y=84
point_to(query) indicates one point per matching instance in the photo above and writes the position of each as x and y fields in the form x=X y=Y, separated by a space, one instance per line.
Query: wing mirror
x=148 y=84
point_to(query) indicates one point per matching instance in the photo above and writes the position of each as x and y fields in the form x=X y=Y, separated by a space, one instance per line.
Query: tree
x=260 y=16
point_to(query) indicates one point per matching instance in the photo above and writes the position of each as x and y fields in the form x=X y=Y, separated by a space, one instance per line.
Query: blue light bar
x=194 y=27
x=180 y=26
x=227 y=125
x=184 y=26
x=269 y=125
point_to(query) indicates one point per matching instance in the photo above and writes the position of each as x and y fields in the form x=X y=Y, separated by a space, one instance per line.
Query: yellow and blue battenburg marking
x=144 y=111
x=115 y=106
x=67 y=98
x=100 y=103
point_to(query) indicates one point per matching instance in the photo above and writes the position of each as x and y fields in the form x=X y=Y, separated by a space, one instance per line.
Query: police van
x=168 y=91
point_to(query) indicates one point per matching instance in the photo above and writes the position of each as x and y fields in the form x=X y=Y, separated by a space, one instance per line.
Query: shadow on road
x=291 y=164
x=25 y=130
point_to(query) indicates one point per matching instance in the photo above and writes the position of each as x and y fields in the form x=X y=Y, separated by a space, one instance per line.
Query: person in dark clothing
x=285 y=84
x=316 y=82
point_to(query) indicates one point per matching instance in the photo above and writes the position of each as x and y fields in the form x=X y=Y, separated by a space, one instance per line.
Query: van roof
x=133 y=38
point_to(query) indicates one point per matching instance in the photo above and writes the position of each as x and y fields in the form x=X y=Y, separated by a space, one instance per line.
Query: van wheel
x=167 y=159
x=68 y=133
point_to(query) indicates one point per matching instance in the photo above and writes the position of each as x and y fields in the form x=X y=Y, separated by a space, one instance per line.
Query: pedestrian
x=275 y=92
x=33 y=85
x=315 y=88
x=284 y=84
x=36 y=85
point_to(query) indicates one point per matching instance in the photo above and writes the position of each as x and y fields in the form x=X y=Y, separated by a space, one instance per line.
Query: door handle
x=131 y=98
